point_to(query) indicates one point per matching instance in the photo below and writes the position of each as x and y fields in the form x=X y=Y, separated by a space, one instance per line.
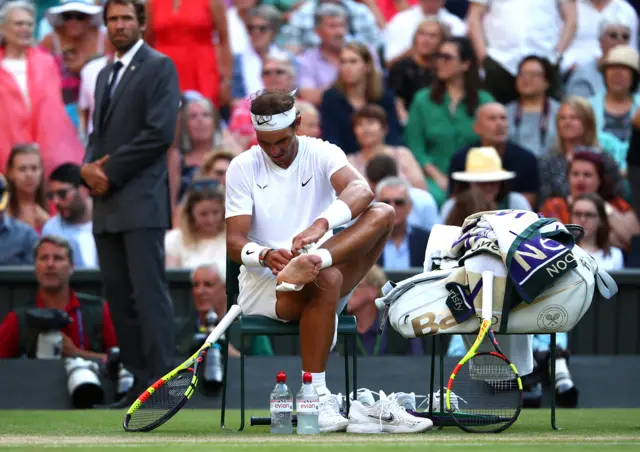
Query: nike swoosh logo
x=386 y=419
x=249 y=252
x=305 y=183
x=263 y=186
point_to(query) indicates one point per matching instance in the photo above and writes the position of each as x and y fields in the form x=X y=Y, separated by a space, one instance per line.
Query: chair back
x=233 y=286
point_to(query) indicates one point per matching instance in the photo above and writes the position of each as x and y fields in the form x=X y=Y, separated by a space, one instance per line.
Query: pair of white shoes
x=386 y=415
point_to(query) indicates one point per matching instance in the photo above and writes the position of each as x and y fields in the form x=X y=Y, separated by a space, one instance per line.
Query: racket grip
x=487 y=295
x=224 y=323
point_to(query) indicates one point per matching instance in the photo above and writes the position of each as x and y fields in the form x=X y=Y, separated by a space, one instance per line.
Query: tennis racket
x=484 y=393
x=163 y=399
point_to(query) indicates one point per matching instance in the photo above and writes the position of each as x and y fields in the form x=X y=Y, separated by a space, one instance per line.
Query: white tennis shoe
x=455 y=400
x=384 y=416
x=329 y=417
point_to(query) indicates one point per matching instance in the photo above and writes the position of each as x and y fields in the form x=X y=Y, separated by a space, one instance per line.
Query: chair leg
x=241 y=383
x=432 y=374
x=225 y=371
x=441 y=384
x=345 y=343
x=354 y=359
x=552 y=357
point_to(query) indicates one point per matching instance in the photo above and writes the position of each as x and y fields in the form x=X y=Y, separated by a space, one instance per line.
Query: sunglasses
x=585 y=215
x=62 y=194
x=616 y=35
x=399 y=202
x=260 y=28
x=444 y=57
x=270 y=72
x=73 y=16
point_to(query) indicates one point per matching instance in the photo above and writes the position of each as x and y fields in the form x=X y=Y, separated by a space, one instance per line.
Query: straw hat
x=4 y=193
x=483 y=165
x=54 y=14
x=622 y=56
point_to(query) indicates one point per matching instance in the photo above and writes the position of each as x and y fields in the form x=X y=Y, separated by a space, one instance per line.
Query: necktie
x=106 y=99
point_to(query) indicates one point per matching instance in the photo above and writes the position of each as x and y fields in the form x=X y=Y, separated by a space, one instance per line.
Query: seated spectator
x=586 y=174
x=576 y=128
x=410 y=74
x=532 y=116
x=592 y=15
x=77 y=37
x=483 y=172
x=73 y=220
x=590 y=212
x=318 y=66
x=86 y=97
x=200 y=236
x=370 y=128
x=200 y=131
x=389 y=8
x=16 y=238
x=615 y=107
x=21 y=91
x=424 y=210
x=299 y=33
x=209 y=294
x=465 y=203
x=310 y=124
x=358 y=84
x=406 y=244
x=90 y=334
x=633 y=161
x=263 y=25
x=236 y=15
x=401 y=29
x=362 y=305
x=492 y=126
x=504 y=32
x=184 y=32
x=27 y=186
x=278 y=74
x=586 y=80
x=441 y=117
x=215 y=166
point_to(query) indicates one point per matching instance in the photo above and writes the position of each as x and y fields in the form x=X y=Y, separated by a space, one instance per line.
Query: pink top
x=45 y=122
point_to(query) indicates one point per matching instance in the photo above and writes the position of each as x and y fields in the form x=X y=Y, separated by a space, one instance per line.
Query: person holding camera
x=88 y=334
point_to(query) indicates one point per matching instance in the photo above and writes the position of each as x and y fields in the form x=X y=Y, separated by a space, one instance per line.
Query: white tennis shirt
x=282 y=202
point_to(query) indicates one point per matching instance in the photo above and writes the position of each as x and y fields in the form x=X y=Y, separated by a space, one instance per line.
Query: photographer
x=89 y=335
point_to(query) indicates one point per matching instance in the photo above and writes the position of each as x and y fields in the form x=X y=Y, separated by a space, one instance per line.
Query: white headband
x=274 y=122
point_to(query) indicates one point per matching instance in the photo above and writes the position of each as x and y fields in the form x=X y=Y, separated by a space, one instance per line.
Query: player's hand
x=277 y=259
x=310 y=235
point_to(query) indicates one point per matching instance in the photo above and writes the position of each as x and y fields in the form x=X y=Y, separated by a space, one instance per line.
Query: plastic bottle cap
x=281 y=377
x=306 y=378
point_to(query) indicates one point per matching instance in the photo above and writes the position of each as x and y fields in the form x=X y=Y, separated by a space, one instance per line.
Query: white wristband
x=250 y=254
x=337 y=214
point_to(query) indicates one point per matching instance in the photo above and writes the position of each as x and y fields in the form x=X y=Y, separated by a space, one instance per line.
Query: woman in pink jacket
x=30 y=94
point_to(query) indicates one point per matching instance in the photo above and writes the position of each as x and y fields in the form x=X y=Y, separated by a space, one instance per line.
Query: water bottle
x=281 y=406
x=307 y=409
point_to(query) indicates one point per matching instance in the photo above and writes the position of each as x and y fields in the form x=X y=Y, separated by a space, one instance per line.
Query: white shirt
x=514 y=29
x=205 y=251
x=126 y=61
x=18 y=68
x=613 y=262
x=585 y=46
x=238 y=34
x=398 y=34
x=282 y=202
x=88 y=78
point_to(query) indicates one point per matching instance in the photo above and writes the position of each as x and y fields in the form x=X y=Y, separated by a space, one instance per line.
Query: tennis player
x=285 y=196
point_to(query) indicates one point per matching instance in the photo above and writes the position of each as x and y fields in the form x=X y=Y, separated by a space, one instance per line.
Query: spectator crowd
x=446 y=107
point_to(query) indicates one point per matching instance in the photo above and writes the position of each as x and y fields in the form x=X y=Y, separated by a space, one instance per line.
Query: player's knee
x=329 y=278
x=383 y=215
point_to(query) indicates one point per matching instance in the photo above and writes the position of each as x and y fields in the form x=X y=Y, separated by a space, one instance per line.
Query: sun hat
x=483 y=165
x=54 y=14
x=622 y=56
x=4 y=193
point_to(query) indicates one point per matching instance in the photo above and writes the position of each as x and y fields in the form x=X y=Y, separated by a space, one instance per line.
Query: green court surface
x=198 y=430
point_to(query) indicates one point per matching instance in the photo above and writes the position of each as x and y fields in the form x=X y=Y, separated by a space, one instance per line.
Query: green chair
x=253 y=325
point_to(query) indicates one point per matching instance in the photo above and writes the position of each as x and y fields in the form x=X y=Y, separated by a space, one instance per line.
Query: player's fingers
x=286 y=254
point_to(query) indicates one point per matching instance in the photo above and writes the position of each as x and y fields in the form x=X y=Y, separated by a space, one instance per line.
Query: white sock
x=325 y=255
x=319 y=382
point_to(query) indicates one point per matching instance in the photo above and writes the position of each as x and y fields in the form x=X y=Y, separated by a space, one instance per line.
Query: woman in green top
x=441 y=117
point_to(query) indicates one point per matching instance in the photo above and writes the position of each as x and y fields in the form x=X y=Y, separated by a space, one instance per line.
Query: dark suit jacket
x=418 y=239
x=136 y=131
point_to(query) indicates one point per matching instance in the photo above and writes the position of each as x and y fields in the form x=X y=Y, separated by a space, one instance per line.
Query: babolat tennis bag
x=544 y=282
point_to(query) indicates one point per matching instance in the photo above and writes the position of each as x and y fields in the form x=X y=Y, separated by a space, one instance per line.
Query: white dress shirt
x=126 y=61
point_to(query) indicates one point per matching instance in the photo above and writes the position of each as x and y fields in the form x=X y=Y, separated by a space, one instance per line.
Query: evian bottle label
x=281 y=406
x=307 y=406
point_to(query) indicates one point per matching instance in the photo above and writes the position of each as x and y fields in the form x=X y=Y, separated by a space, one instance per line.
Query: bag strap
x=606 y=284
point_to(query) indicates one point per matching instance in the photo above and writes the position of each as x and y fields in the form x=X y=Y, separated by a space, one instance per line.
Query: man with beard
x=137 y=98
x=73 y=221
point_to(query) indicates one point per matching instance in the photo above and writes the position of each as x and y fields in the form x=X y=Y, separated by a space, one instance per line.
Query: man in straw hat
x=17 y=239
x=492 y=126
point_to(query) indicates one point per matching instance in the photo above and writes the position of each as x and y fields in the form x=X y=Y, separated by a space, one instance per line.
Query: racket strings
x=161 y=402
x=488 y=395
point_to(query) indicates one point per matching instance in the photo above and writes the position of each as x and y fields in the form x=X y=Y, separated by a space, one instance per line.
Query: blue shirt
x=397 y=258
x=17 y=240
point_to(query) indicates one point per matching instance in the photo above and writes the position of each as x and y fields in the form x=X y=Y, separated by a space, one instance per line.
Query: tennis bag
x=418 y=306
